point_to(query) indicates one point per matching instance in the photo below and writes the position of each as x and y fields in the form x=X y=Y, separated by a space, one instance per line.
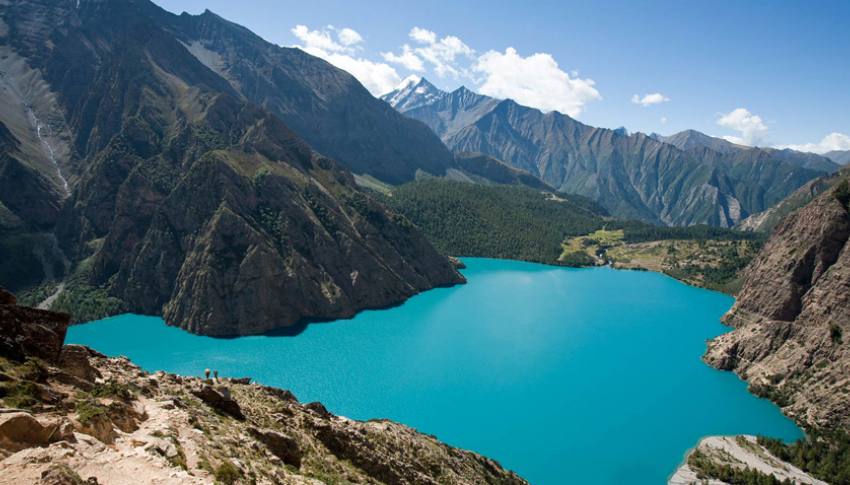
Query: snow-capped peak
x=412 y=92
x=408 y=82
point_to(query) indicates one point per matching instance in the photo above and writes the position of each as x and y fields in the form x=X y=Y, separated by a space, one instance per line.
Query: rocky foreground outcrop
x=792 y=317
x=81 y=417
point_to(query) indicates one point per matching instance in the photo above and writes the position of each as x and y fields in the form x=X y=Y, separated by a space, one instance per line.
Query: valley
x=708 y=263
x=432 y=268
x=522 y=223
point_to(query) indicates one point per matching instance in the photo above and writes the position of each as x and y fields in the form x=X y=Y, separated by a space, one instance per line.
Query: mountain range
x=181 y=165
x=155 y=154
x=688 y=178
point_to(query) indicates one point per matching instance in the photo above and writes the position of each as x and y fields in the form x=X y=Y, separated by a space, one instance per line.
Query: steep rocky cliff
x=792 y=317
x=70 y=413
x=191 y=201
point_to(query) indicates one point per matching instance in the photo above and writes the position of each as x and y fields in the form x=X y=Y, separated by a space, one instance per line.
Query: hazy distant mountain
x=839 y=156
x=445 y=113
x=692 y=140
x=631 y=175
x=189 y=196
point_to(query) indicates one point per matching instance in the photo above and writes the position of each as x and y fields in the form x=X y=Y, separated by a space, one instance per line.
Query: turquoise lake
x=586 y=376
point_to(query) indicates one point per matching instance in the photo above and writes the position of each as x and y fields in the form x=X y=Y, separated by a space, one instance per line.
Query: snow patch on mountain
x=413 y=92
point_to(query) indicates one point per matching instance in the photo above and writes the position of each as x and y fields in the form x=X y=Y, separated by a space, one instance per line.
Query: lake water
x=587 y=376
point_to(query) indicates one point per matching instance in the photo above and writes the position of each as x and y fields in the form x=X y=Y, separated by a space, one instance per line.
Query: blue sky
x=760 y=72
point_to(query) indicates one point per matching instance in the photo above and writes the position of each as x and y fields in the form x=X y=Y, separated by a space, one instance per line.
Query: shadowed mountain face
x=699 y=179
x=323 y=104
x=190 y=197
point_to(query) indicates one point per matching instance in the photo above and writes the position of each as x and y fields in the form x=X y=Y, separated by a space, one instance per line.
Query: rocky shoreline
x=72 y=416
x=740 y=451
x=789 y=340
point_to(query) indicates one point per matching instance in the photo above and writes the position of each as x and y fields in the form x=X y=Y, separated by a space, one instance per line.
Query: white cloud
x=324 y=39
x=349 y=37
x=663 y=120
x=649 y=99
x=378 y=78
x=442 y=54
x=423 y=36
x=832 y=141
x=407 y=58
x=751 y=127
x=339 y=47
x=534 y=81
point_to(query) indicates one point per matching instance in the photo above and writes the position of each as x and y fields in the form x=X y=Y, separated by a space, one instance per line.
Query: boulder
x=319 y=409
x=74 y=359
x=99 y=427
x=27 y=332
x=220 y=401
x=20 y=430
x=279 y=444
x=162 y=447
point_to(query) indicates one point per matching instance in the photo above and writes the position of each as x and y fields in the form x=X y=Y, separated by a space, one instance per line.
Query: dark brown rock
x=281 y=445
x=220 y=401
x=318 y=408
x=7 y=298
x=74 y=359
x=27 y=332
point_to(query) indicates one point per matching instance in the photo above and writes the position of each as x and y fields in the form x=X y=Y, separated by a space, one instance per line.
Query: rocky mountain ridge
x=188 y=199
x=631 y=175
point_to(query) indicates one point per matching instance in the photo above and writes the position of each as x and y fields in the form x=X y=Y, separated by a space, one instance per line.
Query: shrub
x=227 y=473
x=842 y=193
x=19 y=394
x=112 y=389
x=835 y=333
x=89 y=411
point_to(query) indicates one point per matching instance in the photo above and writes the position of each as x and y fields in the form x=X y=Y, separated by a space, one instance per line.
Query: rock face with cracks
x=792 y=317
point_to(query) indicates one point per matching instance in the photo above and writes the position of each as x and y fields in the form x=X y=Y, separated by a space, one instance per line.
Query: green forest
x=517 y=222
